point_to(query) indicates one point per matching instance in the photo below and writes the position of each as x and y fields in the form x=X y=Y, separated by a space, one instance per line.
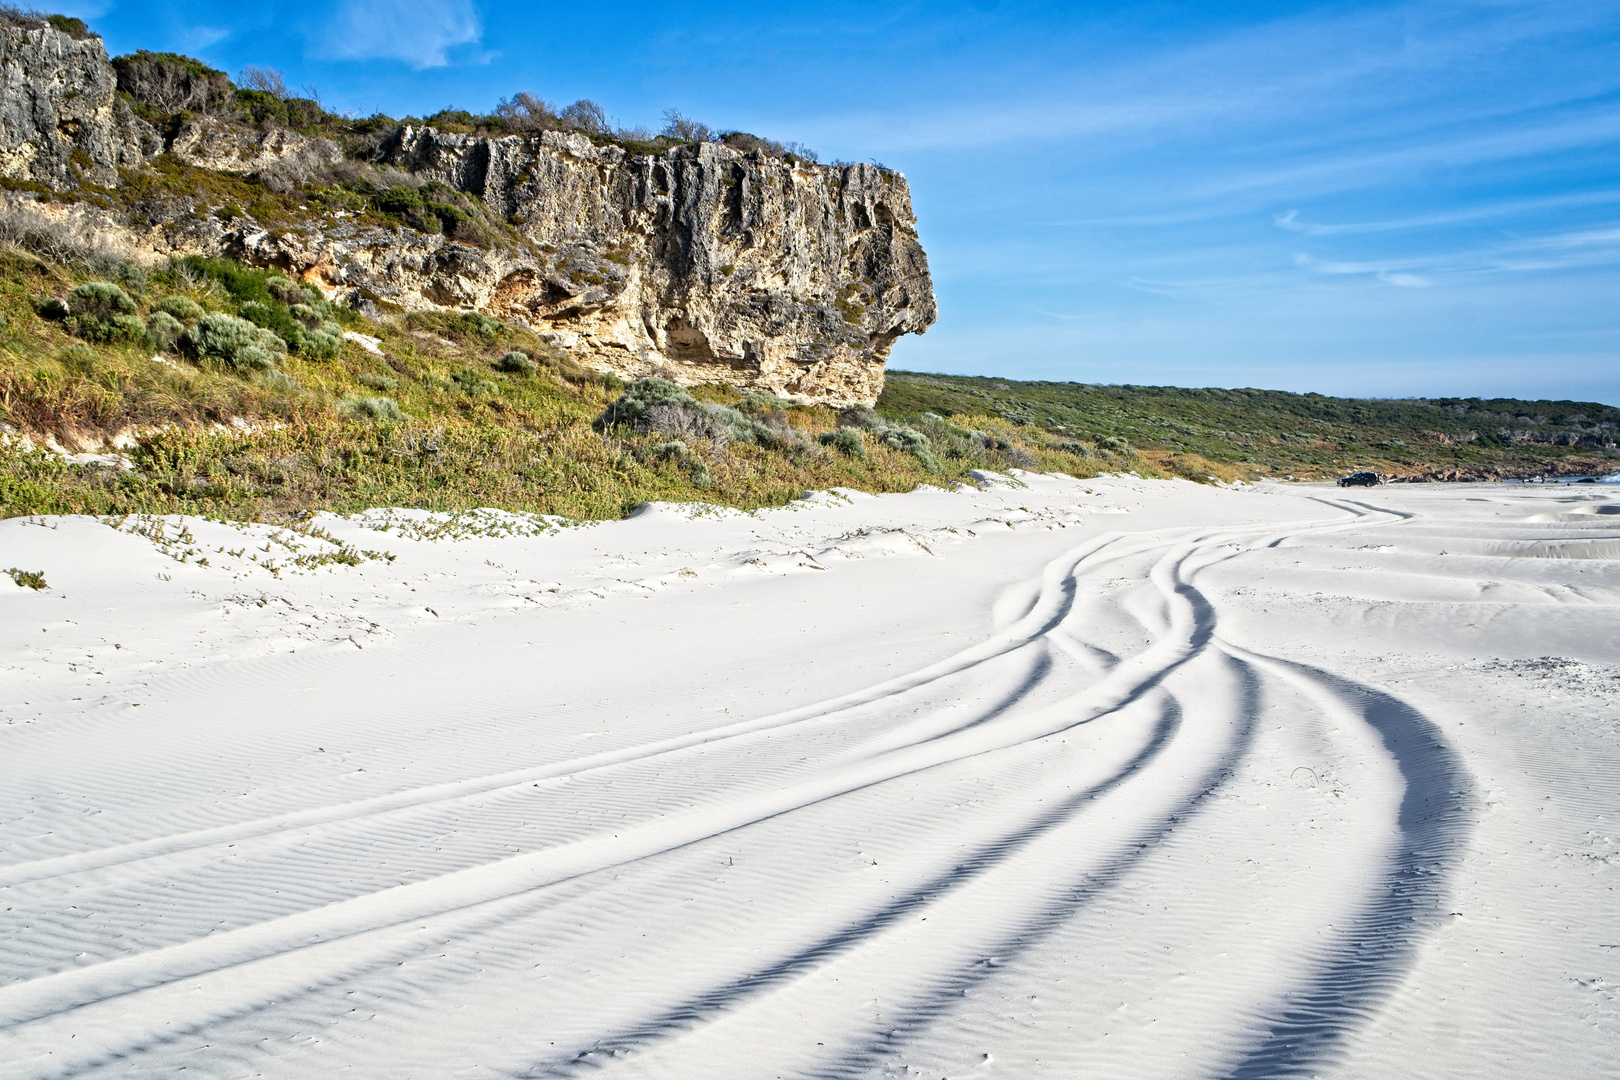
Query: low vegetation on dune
x=1230 y=434
x=206 y=386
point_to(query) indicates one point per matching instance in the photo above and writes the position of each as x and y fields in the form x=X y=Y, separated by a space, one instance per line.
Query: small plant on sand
x=28 y=579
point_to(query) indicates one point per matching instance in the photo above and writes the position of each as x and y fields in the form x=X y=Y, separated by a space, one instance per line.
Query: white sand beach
x=1055 y=778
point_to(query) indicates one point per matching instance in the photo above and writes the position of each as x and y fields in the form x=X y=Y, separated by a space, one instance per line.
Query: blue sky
x=1372 y=199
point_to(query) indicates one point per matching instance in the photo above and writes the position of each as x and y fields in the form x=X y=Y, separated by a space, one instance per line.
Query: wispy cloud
x=1463 y=215
x=198 y=38
x=1274 y=72
x=421 y=33
x=1575 y=249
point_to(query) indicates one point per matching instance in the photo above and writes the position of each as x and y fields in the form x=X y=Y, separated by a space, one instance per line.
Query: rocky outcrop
x=60 y=119
x=211 y=144
x=701 y=262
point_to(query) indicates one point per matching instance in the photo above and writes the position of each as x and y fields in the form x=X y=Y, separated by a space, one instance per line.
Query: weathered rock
x=701 y=262
x=58 y=111
x=211 y=144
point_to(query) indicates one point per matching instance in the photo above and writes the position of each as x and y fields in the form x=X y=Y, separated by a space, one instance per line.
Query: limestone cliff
x=770 y=273
x=698 y=262
x=60 y=119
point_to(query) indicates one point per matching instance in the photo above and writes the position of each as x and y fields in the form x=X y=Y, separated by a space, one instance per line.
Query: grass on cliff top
x=1273 y=433
x=322 y=434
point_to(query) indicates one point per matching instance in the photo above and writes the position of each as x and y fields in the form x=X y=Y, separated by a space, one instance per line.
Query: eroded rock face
x=209 y=144
x=58 y=111
x=701 y=262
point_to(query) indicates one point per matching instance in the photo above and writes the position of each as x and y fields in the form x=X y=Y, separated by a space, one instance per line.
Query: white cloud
x=198 y=38
x=420 y=33
x=1573 y=250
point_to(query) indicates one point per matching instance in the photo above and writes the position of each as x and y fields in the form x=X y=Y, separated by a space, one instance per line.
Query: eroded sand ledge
x=1107 y=777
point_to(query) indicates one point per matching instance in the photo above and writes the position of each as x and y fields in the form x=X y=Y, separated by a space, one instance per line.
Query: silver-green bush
x=371 y=408
x=164 y=328
x=252 y=358
x=846 y=440
x=103 y=312
x=183 y=308
x=218 y=336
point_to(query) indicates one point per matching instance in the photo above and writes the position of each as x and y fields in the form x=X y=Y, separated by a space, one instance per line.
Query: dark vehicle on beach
x=1360 y=479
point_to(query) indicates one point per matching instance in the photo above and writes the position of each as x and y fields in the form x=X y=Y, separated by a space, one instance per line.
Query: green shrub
x=130 y=328
x=911 y=442
x=848 y=441
x=272 y=317
x=78 y=30
x=319 y=345
x=371 y=408
x=1109 y=442
x=164 y=329
x=118 y=271
x=473 y=382
x=244 y=283
x=674 y=450
x=379 y=382
x=103 y=312
x=399 y=201
x=482 y=325
x=28 y=579
x=221 y=337
x=678 y=452
x=183 y=308
x=101 y=300
x=253 y=358
x=638 y=397
x=661 y=406
x=290 y=292
x=515 y=363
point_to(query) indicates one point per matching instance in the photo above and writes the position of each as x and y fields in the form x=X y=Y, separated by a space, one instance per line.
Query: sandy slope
x=1107 y=778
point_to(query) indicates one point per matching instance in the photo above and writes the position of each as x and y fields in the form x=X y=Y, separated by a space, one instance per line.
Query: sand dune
x=1061 y=778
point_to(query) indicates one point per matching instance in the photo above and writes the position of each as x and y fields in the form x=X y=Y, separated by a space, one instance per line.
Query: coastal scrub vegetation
x=1249 y=433
x=169 y=91
x=208 y=386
